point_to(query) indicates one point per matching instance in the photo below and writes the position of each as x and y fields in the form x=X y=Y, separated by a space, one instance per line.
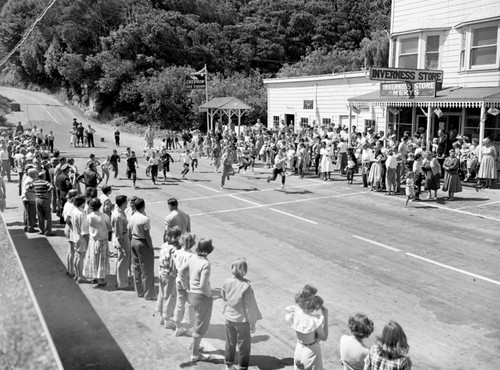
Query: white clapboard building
x=452 y=45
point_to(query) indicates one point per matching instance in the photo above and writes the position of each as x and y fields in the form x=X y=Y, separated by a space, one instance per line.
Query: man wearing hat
x=43 y=190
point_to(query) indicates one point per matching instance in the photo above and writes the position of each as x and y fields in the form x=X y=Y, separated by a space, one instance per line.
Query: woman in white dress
x=309 y=319
x=487 y=168
x=96 y=265
x=326 y=153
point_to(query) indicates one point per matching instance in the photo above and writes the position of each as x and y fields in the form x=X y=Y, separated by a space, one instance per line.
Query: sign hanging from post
x=408 y=89
x=404 y=74
x=197 y=80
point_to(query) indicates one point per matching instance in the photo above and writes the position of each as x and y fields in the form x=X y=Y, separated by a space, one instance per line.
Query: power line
x=28 y=32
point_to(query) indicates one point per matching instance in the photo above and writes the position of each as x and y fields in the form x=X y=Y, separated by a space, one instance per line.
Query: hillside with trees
x=129 y=58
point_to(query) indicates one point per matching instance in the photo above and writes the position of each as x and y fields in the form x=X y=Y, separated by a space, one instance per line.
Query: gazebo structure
x=228 y=106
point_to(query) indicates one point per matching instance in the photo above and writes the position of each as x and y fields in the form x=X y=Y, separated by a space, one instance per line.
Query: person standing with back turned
x=139 y=227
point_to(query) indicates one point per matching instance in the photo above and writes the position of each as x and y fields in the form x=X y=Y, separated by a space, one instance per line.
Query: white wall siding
x=411 y=14
x=425 y=15
x=329 y=97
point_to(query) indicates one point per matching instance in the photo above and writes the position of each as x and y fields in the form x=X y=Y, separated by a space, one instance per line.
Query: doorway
x=290 y=120
x=451 y=124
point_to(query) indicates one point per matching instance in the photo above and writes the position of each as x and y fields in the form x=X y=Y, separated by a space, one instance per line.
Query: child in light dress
x=410 y=186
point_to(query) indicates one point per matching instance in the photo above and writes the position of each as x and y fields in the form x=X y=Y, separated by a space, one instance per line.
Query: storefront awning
x=451 y=97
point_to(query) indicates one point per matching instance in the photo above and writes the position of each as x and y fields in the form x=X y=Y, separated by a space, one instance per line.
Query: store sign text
x=401 y=74
x=408 y=89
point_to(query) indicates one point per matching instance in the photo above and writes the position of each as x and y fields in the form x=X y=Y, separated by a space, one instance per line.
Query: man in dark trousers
x=43 y=191
x=143 y=257
x=89 y=132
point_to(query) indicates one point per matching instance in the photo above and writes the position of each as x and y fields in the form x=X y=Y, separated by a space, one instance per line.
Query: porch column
x=386 y=128
x=482 y=121
x=349 y=132
x=428 y=142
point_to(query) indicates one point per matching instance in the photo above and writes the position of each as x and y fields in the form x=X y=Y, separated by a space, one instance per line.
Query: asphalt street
x=431 y=266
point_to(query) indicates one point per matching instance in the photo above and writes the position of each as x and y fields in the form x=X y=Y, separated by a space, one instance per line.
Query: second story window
x=432 y=52
x=408 y=53
x=462 y=49
x=483 y=46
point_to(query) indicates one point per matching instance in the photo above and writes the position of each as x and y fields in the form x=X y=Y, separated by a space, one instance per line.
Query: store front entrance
x=448 y=122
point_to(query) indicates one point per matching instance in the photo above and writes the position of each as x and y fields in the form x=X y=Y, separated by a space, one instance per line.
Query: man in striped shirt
x=43 y=191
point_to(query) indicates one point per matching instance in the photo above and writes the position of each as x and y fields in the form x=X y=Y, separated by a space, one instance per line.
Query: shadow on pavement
x=81 y=338
x=270 y=362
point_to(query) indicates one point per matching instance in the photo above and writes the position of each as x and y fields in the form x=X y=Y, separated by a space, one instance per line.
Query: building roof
x=454 y=96
x=225 y=103
x=317 y=78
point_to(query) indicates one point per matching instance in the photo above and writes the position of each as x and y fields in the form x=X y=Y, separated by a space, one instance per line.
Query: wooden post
x=482 y=121
x=429 y=122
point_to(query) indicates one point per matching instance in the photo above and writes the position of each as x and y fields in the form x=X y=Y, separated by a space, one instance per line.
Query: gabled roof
x=228 y=102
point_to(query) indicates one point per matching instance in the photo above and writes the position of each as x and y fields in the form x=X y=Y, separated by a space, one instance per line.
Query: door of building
x=290 y=120
x=451 y=124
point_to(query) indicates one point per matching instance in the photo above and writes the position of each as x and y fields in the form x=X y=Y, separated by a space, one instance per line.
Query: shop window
x=276 y=121
x=432 y=52
x=484 y=46
x=304 y=121
x=408 y=53
x=326 y=121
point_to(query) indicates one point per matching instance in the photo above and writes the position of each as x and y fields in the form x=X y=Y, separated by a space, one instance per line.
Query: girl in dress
x=410 y=186
x=72 y=138
x=375 y=175
x=309 y=319
x=487 y=168
x=391 y=350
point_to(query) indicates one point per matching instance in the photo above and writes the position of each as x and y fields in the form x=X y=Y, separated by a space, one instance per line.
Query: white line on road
x=45 y=109
x=275 y=204
x=376 y=243
x=245 y=200
x=453 y=268
x=444 y=208
x=238 y=193
x=206 y=187
x=289 y=214
x=479 y=205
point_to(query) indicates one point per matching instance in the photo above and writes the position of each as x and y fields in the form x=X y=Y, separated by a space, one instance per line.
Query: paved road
x=433 y=266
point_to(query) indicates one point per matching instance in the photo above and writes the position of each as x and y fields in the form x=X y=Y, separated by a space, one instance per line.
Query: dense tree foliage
x=130 y=57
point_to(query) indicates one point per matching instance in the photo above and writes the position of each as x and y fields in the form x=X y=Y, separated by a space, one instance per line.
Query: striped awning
x=451 y=97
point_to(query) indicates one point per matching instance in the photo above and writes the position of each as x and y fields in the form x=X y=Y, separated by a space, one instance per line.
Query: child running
x=279 y=168
x=185 y=158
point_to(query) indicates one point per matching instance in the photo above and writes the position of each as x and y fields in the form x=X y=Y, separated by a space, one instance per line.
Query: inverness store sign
x=407 y=75
x=408 y=89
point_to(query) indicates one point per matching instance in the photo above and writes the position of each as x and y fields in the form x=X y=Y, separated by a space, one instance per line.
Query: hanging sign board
x=404 y=74
x=408 y=89
x=195 y=81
